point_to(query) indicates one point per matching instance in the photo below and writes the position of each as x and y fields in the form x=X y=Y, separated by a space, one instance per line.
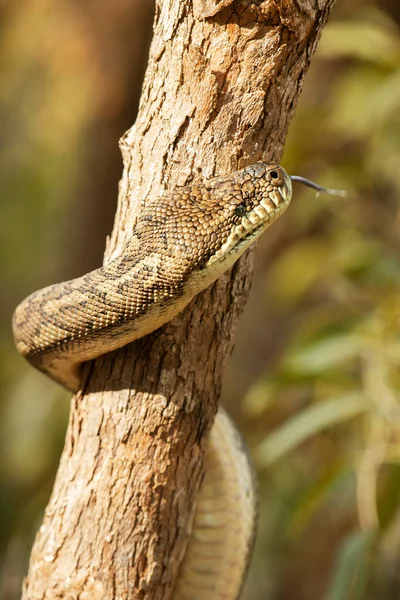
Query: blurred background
x=314 y=380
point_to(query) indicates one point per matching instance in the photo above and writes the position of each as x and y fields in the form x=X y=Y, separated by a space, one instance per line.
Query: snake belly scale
x=182 y=242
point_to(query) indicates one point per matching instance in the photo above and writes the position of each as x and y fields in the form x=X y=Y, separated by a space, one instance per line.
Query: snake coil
x=181 y=243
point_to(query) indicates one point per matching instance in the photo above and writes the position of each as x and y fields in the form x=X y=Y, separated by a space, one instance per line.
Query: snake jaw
x=266 y=206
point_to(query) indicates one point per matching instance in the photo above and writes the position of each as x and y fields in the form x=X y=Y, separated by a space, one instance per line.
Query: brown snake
x=182 y=242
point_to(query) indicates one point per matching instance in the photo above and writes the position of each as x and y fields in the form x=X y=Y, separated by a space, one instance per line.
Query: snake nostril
x=274 y=174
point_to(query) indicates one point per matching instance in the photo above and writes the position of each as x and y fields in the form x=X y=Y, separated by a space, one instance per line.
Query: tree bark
x=219 y=92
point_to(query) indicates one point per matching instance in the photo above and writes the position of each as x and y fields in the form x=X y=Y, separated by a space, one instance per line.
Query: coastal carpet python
x=182 y=242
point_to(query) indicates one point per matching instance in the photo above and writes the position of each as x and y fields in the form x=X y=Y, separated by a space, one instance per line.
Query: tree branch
x=219 y=93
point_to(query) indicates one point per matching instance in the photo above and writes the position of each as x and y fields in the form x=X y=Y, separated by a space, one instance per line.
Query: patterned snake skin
x=182 y=242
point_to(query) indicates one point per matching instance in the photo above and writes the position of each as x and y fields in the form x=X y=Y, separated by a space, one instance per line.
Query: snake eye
x=274 y=174
x=240 y=210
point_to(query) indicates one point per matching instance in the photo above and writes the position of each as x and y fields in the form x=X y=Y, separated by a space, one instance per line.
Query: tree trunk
x=219 y=92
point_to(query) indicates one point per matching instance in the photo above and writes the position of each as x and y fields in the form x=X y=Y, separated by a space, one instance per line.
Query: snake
x=181 y=243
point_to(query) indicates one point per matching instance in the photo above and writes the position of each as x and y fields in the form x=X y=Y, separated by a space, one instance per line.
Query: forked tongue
x=317 y=187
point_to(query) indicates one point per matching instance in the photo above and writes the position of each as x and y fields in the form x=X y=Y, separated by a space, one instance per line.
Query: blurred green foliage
x=329 y=398
x=318 y=382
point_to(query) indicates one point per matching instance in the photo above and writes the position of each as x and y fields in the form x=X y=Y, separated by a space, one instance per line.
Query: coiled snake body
x=182 y=242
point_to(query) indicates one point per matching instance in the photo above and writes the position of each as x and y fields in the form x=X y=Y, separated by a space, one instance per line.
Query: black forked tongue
x=317 y=187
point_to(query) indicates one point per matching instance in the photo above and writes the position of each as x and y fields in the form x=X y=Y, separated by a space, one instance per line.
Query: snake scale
x=182 y=242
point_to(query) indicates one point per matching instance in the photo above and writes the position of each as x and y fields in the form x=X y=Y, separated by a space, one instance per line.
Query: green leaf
x=350 y=576
x=388 y=497
x=324 y=354
x=309 y=422
x=360 y=40
x=337 y=480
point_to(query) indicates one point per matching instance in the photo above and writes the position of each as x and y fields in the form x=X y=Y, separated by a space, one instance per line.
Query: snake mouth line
x=254 y=223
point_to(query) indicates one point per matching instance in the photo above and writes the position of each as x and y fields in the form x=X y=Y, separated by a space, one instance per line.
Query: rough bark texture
x=219 y=93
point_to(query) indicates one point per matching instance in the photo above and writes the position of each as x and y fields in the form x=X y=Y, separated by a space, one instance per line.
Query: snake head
x=256 y=196
x=213 y=223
